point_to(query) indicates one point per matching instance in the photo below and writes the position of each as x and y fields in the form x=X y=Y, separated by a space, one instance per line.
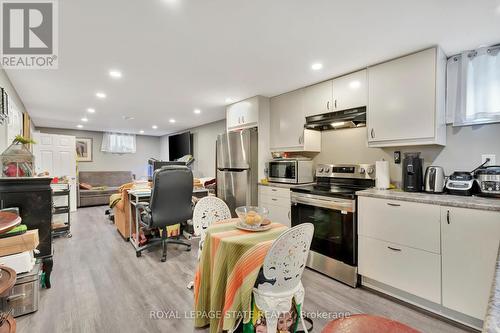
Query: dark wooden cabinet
x=33 y=197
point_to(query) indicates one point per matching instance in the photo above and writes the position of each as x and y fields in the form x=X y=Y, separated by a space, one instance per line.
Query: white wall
x=146 y=147
x=463 y=151
x=12 y=93
x=204 y=138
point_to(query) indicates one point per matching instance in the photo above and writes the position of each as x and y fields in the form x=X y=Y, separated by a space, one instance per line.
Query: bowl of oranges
x=252 y=216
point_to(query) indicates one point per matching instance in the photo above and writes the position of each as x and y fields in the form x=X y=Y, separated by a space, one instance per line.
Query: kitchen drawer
x=406 y=223
x=414 y=271
x=275 y=192
x=275 y=200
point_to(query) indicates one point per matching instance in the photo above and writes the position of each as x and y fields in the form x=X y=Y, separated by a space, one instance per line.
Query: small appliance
x=461 y=183
x=413 y=178
x=488 y=180
x=331 y=206
x=290 y=170
x=434 y=180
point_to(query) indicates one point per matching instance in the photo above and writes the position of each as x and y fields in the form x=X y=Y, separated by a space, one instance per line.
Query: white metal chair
x=207 y=211
x=282 y=270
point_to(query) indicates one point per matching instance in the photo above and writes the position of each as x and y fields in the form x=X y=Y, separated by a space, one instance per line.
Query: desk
x=136 y=196
x=227 y=271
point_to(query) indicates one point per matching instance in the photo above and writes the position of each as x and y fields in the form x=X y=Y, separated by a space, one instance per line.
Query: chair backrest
x=171 y=196
x=208 y=210
x=286 y=260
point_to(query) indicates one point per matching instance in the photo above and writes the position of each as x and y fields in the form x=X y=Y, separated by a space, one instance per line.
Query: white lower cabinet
x=414 y=271
x=277 y=200
x=445 y=255
x=470 y=240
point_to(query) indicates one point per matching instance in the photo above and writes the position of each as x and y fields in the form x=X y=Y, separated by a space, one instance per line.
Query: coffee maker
x=413 y=175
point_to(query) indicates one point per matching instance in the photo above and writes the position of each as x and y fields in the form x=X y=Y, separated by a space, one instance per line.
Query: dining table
x=228 y=268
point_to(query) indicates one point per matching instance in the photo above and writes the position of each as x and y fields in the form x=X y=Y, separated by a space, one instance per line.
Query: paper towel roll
x=382 y=178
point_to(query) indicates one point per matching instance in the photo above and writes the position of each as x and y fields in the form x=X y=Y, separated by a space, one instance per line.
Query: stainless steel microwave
x=290 y=171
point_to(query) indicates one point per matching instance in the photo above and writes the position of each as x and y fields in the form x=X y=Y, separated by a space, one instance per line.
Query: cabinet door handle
x=394 y=249
x=328 y=105
x=372 y=133
x=289 y=217
x=274 y=190
x=243 y=119
x=273 y=199
x=335 y=104
x=393 y=204
x=448 y=217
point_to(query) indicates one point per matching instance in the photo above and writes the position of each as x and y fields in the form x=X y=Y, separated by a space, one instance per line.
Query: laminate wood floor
x=98 y=285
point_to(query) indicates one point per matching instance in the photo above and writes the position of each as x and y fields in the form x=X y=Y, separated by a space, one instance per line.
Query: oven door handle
x=328 y=204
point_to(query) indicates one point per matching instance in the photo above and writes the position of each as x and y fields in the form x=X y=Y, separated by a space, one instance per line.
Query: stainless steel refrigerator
x=237 y=164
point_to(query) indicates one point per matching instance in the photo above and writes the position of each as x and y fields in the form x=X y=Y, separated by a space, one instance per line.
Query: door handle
x=328 y=105
x=394 y=249
x=448 y=217
x=289 y=217
x=372 y=133
x=393 y=204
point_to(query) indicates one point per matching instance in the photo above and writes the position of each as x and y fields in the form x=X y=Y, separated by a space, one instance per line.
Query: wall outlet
x=493 y=159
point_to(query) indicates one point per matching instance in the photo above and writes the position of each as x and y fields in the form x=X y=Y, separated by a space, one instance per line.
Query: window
x=473 y=87
x=118 y=143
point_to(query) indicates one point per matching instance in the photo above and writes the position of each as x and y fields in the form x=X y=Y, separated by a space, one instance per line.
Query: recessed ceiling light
x=100 y=95
x=91 y=110
x=141 y=131
x=79 y=126
x=317 y=66
x=172 y=121
x=154 y=127
x=115 y=74
x=84 y=119
x=128 y=117
x=229 y=100
x=197 y=111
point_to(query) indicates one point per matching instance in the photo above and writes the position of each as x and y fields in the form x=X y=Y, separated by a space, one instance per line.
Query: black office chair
x=170 y=204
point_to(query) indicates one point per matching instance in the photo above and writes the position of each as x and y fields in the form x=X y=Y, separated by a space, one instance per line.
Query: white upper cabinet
x=406 y=100
x=470 y=240
x=243 y=114
x=318 y=98
x=287 y=124
x=350 y=91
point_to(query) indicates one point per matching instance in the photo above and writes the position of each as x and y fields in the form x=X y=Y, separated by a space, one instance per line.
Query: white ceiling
x=178 y=55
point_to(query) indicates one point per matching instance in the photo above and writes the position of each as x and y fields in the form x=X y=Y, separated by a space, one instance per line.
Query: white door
x=318 y=99
x=470 y=240
x=402 y=98
x=56 y=154
x=350 y=91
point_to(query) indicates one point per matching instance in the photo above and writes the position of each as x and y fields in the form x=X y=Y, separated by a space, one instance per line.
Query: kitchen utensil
x=488 y=179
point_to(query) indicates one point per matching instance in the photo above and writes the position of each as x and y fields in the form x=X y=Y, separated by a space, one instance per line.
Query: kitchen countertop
x=474 y=202
x=283 y=185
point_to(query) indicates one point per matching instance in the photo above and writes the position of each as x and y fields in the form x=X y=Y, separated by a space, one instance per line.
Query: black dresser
x=33 y=197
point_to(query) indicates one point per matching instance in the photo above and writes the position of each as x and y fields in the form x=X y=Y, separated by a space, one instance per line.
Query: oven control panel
x=362 y=171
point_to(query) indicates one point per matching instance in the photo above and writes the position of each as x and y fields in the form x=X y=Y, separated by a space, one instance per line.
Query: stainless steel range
x=330 y=205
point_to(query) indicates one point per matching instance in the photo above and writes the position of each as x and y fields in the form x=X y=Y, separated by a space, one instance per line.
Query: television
x=180 y=145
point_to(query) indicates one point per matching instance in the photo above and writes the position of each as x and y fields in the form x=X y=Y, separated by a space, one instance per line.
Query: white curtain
x=473 y=87
x=118 y=143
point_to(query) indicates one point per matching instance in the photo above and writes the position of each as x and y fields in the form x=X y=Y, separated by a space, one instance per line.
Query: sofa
x=103 y=184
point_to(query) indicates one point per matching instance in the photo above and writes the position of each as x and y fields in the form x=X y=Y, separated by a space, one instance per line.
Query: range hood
x=350 y=118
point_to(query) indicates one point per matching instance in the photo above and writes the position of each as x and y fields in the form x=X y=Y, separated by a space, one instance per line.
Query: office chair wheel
x=138 y=254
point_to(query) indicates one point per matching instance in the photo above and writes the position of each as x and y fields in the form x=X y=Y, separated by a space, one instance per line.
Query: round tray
x=245 y=227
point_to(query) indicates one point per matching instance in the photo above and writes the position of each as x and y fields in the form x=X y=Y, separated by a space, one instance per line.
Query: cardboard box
x=20 y=243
